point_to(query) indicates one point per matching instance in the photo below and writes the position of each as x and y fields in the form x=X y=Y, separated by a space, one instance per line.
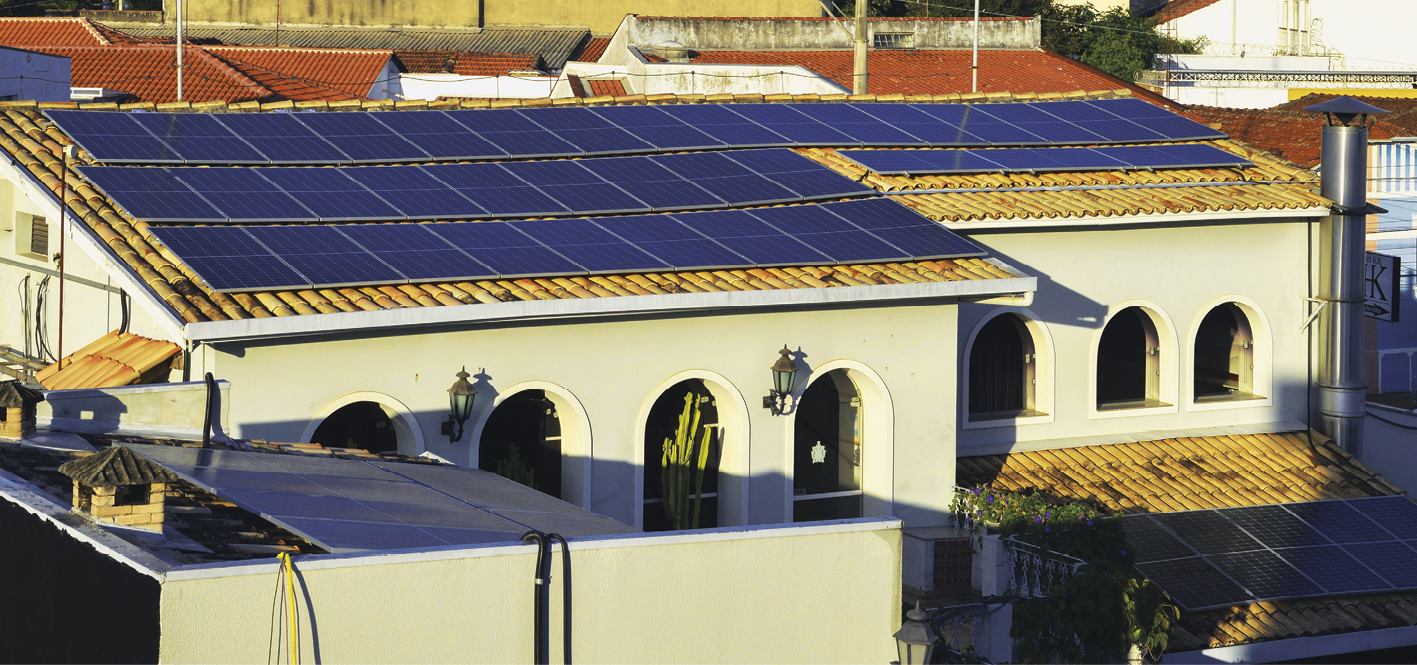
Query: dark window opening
x=1224 y=356
x=1002 y=364
x=132 y=495
x=826 y=462
x=663 y=423
x=522 y=441
x=358 y=425
x=1128 y=362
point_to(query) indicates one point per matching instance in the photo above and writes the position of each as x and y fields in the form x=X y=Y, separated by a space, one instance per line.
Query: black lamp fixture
x=784 y=376
x=915 y=641
x=460 y=399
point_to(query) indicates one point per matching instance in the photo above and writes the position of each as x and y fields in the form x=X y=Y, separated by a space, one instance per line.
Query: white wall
x=433 y=86
x=1372 y=34
x=32 y=75
x=1238 y=98
x=1390 y=445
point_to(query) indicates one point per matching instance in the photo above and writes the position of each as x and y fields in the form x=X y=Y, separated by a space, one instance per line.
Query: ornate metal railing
x=1274 y=79
x=957 y=626
x=1035 y=572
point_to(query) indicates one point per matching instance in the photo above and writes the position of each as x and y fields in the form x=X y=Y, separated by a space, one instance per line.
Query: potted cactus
x=682 y=467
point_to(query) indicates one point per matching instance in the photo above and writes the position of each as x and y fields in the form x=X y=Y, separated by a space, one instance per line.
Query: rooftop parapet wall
x=707 y=34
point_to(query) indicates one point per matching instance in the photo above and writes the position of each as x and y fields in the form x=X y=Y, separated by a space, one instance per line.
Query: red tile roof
x=827 y=18
x=593 y=50
x=349 y=71
x=923 y=72
x=52 y=31
x=1178 y=8
x=1291 y=134
x=149 y=73
x=466 y=63
x=603 y=87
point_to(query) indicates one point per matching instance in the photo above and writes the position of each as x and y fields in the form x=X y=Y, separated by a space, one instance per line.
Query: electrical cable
x=1379 y=418
x=125 y=305
x=41 y=322
x=565 y=594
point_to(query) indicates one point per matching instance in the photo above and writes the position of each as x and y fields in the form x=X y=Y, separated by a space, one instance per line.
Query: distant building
x=43 y=77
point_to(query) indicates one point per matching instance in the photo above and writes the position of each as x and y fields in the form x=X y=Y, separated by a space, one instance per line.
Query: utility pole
x=858 y=69
x=974 y=68
x=179 y=50
x=65 y=155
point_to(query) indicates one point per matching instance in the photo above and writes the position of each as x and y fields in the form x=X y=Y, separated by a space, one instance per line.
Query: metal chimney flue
x=1339 y=385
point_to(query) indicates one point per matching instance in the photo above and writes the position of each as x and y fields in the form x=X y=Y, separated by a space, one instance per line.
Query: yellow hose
x=294 y=634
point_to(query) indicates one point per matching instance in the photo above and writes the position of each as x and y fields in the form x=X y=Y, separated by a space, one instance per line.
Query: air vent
x=896 y=40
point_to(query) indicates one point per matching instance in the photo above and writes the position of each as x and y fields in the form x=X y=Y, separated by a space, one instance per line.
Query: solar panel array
x=355 y=505
x=422 y=136
x=1231 y=556
x=470 y=191
x=232 y=258
x=1035 y=160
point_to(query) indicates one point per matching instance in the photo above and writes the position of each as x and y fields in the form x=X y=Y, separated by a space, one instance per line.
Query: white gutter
x=1133 y=220
x=95 y=249
x=1274 y=651
x=415 y=317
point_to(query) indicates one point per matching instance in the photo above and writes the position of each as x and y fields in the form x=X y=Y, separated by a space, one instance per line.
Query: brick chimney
x=17 y=402
x=119 y=486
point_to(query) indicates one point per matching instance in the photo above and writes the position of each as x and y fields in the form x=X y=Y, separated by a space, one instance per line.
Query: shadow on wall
x=1054 y=303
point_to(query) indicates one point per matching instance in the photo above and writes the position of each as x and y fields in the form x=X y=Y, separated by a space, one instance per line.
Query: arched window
x=684 y=493
x=358 y=425
x=522 y=441
x=1224 y=356
x=826 y=461
x=1129 y=362
x=1002 y=370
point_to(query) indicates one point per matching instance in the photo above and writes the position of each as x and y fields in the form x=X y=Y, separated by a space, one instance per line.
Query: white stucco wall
x=1373 y=34
x=1182 y=272
x=756 y=596
x=615 y=368
x=1237 y=98
x=433 y=86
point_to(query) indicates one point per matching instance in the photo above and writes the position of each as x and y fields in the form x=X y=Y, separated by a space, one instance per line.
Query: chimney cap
x=14 y=394
x=1345 y=105
x=116 y=466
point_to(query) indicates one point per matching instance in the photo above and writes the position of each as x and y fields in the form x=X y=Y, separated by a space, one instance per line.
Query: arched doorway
x=692 y=502
x=826 y=460
x=521 y=441
x=1224 y=356
x=358 y=425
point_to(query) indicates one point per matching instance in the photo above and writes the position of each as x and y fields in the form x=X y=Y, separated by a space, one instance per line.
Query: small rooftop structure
x=18 y=401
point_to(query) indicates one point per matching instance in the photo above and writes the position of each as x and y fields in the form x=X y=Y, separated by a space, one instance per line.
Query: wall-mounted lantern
x=784 y=376
x=460 y=399
x=915 y=641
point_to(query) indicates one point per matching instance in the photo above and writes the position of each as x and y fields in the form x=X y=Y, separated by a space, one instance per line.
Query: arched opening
x=1129 y=362
x=1224 y=356
x=521 y=441
x=358 y=425
x=682 y=494
x=1003 y=370
x=826 y=460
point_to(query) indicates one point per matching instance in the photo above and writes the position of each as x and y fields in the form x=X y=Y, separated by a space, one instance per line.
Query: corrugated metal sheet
x=554 y=45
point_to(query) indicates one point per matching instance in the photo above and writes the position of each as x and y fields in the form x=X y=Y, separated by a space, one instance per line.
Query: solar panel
x=1339 y=522
x=860 y=126
x=985 y=128
x=909 y=118
x=324 y=255
x=1170 y=125
x=577 y=188
x=830 y=234
x=113 y=137
x=331 y=195
x=439 y=135
x=1393 y=561
x=800 y=129
x=200 y=137
x=1334 y=569
x=1208 y=532
x=1055 y=122
x=505 y=249
x=580 y=240
x=1397 y=514
x=803 y=176
x=725 y=178
x=415 y=252
x=904 y=228
x=362 y=137
x=587 y=131
x=1274 y=526
x=651 y=183
x=514 y=133
x=1150 y=542
x=678 y=245
x=750 y=237
x=1195 y=584
x=924 y=161
x=1190 y=156
x=1265 y=575
x=497 y=190
x=415 y=192
x=725 y=126
x=244 y=195
x=282 y=138
x=151 y=194
x=228 y=258
x=654 y=126
x=351 y=536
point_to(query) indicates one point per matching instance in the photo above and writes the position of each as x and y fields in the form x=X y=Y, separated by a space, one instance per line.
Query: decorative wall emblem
x=819 y=453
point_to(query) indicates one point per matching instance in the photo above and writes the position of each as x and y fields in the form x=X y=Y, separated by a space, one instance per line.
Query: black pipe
x=542 y=598
x=207 y=421
x=565 y=593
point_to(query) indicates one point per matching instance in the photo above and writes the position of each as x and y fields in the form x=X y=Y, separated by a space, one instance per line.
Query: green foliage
x=1102 y=610
x=513 y=468
x=685 y=456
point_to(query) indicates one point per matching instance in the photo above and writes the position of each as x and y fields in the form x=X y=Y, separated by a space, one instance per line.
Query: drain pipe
x=565 y=593
x=207 y=421
x=1343 y=180
x=542 y=598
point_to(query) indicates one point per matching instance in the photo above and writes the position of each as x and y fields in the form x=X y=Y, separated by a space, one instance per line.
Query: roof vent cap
x=672 y=51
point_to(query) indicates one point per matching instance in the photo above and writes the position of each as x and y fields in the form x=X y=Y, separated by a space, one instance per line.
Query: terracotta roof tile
x=594 y=48
x=600 y=87
x=51 y=32
x=466 y=63
x=1178 y=8
x=116 y=466
x=349 y=71
x=148 y=73
x=115 y=359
